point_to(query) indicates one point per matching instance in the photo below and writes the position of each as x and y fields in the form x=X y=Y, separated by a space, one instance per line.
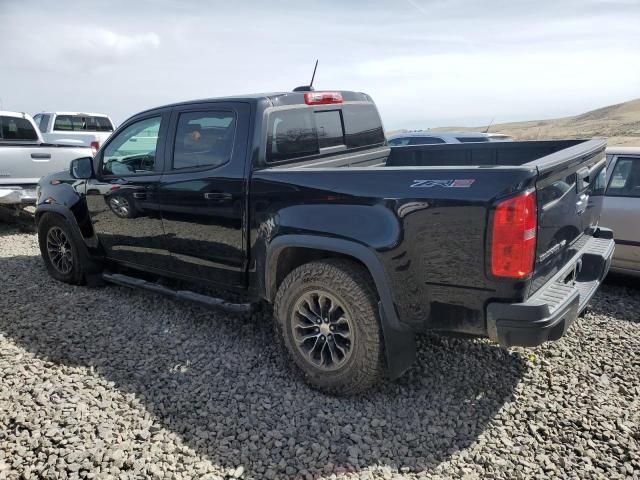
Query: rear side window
x=425 y=141
x=625 y=178
x=16 y=128
x=203 y=139
x=362 y=126
x=82 y=123
x=41 y=121
x=302 y=132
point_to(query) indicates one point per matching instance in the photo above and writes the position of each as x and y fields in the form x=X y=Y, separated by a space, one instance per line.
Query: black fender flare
x=68 y=215
x=399 y=341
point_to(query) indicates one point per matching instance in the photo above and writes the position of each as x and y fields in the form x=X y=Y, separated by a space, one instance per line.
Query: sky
x=426 y=63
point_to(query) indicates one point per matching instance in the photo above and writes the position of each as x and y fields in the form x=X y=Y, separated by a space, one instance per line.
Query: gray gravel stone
x=111 y=382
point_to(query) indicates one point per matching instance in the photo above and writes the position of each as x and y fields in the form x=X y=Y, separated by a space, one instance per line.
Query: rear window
x=82 y=123
x=472 y=139
x=329 y=128
x=425 y=140
x=16 y=128
x=362 y=126
x=301 y=132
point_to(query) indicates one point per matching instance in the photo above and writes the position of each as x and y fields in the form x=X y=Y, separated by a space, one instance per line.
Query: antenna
x=489 y=126
x=308 y=88
x=314 y=74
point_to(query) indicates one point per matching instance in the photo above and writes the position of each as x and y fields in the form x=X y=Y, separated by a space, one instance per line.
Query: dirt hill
x=620 y=123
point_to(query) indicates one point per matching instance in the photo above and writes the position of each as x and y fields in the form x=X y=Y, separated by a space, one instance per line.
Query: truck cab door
x=203 y=192
x=122 y=199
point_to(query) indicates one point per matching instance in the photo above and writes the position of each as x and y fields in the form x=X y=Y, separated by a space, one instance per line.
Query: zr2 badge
x=449 y=183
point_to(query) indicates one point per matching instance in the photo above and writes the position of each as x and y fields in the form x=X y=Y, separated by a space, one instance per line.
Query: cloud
x=425 y=62
x=121 y=44
x=424 y=90
x=99 y=48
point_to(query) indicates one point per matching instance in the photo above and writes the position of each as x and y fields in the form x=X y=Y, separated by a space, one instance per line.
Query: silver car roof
x=623 y=150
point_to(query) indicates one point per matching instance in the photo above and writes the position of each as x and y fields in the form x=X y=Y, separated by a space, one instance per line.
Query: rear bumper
x=18 y=195
x=548 y=313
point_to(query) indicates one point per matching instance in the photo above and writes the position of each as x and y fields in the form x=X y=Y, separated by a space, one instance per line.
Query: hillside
x=620 y=123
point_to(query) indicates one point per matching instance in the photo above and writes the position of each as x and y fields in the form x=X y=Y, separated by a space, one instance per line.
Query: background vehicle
x=88 y=129
x=427 y=137
x=24 y=158
x=295 y=199
x=621 y=208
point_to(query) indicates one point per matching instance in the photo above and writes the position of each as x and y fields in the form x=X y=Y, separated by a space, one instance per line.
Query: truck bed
x=535 y=153
x=443 y=196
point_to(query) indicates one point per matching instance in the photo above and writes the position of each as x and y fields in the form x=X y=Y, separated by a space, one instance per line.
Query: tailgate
x=20 y=162
x=569 y=188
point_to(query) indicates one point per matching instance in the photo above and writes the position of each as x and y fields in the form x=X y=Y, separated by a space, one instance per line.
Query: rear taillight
x=513 y=240
x=322 y=98
x=95 y=146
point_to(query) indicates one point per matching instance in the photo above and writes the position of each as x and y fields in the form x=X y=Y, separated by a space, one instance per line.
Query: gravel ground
x=111 y=382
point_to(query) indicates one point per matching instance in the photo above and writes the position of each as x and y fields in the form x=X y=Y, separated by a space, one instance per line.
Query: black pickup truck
x=296 y=199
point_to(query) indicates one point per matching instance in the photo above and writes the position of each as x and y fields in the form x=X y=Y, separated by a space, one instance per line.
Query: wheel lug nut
x=321 y=337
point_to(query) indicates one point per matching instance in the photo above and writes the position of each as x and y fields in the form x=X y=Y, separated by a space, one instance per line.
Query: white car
x=621 y=207
x=74 y=128
x=25 y=157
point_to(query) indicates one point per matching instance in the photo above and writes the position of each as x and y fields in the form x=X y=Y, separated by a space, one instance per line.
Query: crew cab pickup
x=296 y=199
x=24 y=158
x=87 y=129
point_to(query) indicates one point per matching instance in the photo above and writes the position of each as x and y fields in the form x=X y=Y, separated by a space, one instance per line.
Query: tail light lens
x=322 y=98
x=95 y=146
x=513 y=244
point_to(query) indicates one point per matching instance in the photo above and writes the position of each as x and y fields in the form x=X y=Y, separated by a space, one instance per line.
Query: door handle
x=219 y=196
x=41 y=156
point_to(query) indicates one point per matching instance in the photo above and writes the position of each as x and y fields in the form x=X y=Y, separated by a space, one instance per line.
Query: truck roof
x=623 y=150
x=275 y=98
x=88 y=114
x=6 y=113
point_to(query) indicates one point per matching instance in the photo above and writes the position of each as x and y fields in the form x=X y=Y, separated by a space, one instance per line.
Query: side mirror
x=81 y=168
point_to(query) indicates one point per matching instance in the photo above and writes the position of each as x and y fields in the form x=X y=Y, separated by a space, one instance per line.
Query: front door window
x=133 y=151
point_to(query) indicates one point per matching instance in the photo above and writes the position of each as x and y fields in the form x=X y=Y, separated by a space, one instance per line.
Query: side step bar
x=127 y=281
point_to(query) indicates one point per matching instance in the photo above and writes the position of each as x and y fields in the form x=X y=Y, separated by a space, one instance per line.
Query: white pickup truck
x=74 y=128
x=25 y=157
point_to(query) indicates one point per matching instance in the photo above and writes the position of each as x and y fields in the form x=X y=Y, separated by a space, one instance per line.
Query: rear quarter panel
x=429 y=237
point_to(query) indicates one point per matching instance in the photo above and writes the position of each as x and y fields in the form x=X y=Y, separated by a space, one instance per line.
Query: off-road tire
x=81 y=265
x=351 y=284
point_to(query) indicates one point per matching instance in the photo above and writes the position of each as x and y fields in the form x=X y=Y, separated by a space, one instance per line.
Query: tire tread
x=355 y=285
